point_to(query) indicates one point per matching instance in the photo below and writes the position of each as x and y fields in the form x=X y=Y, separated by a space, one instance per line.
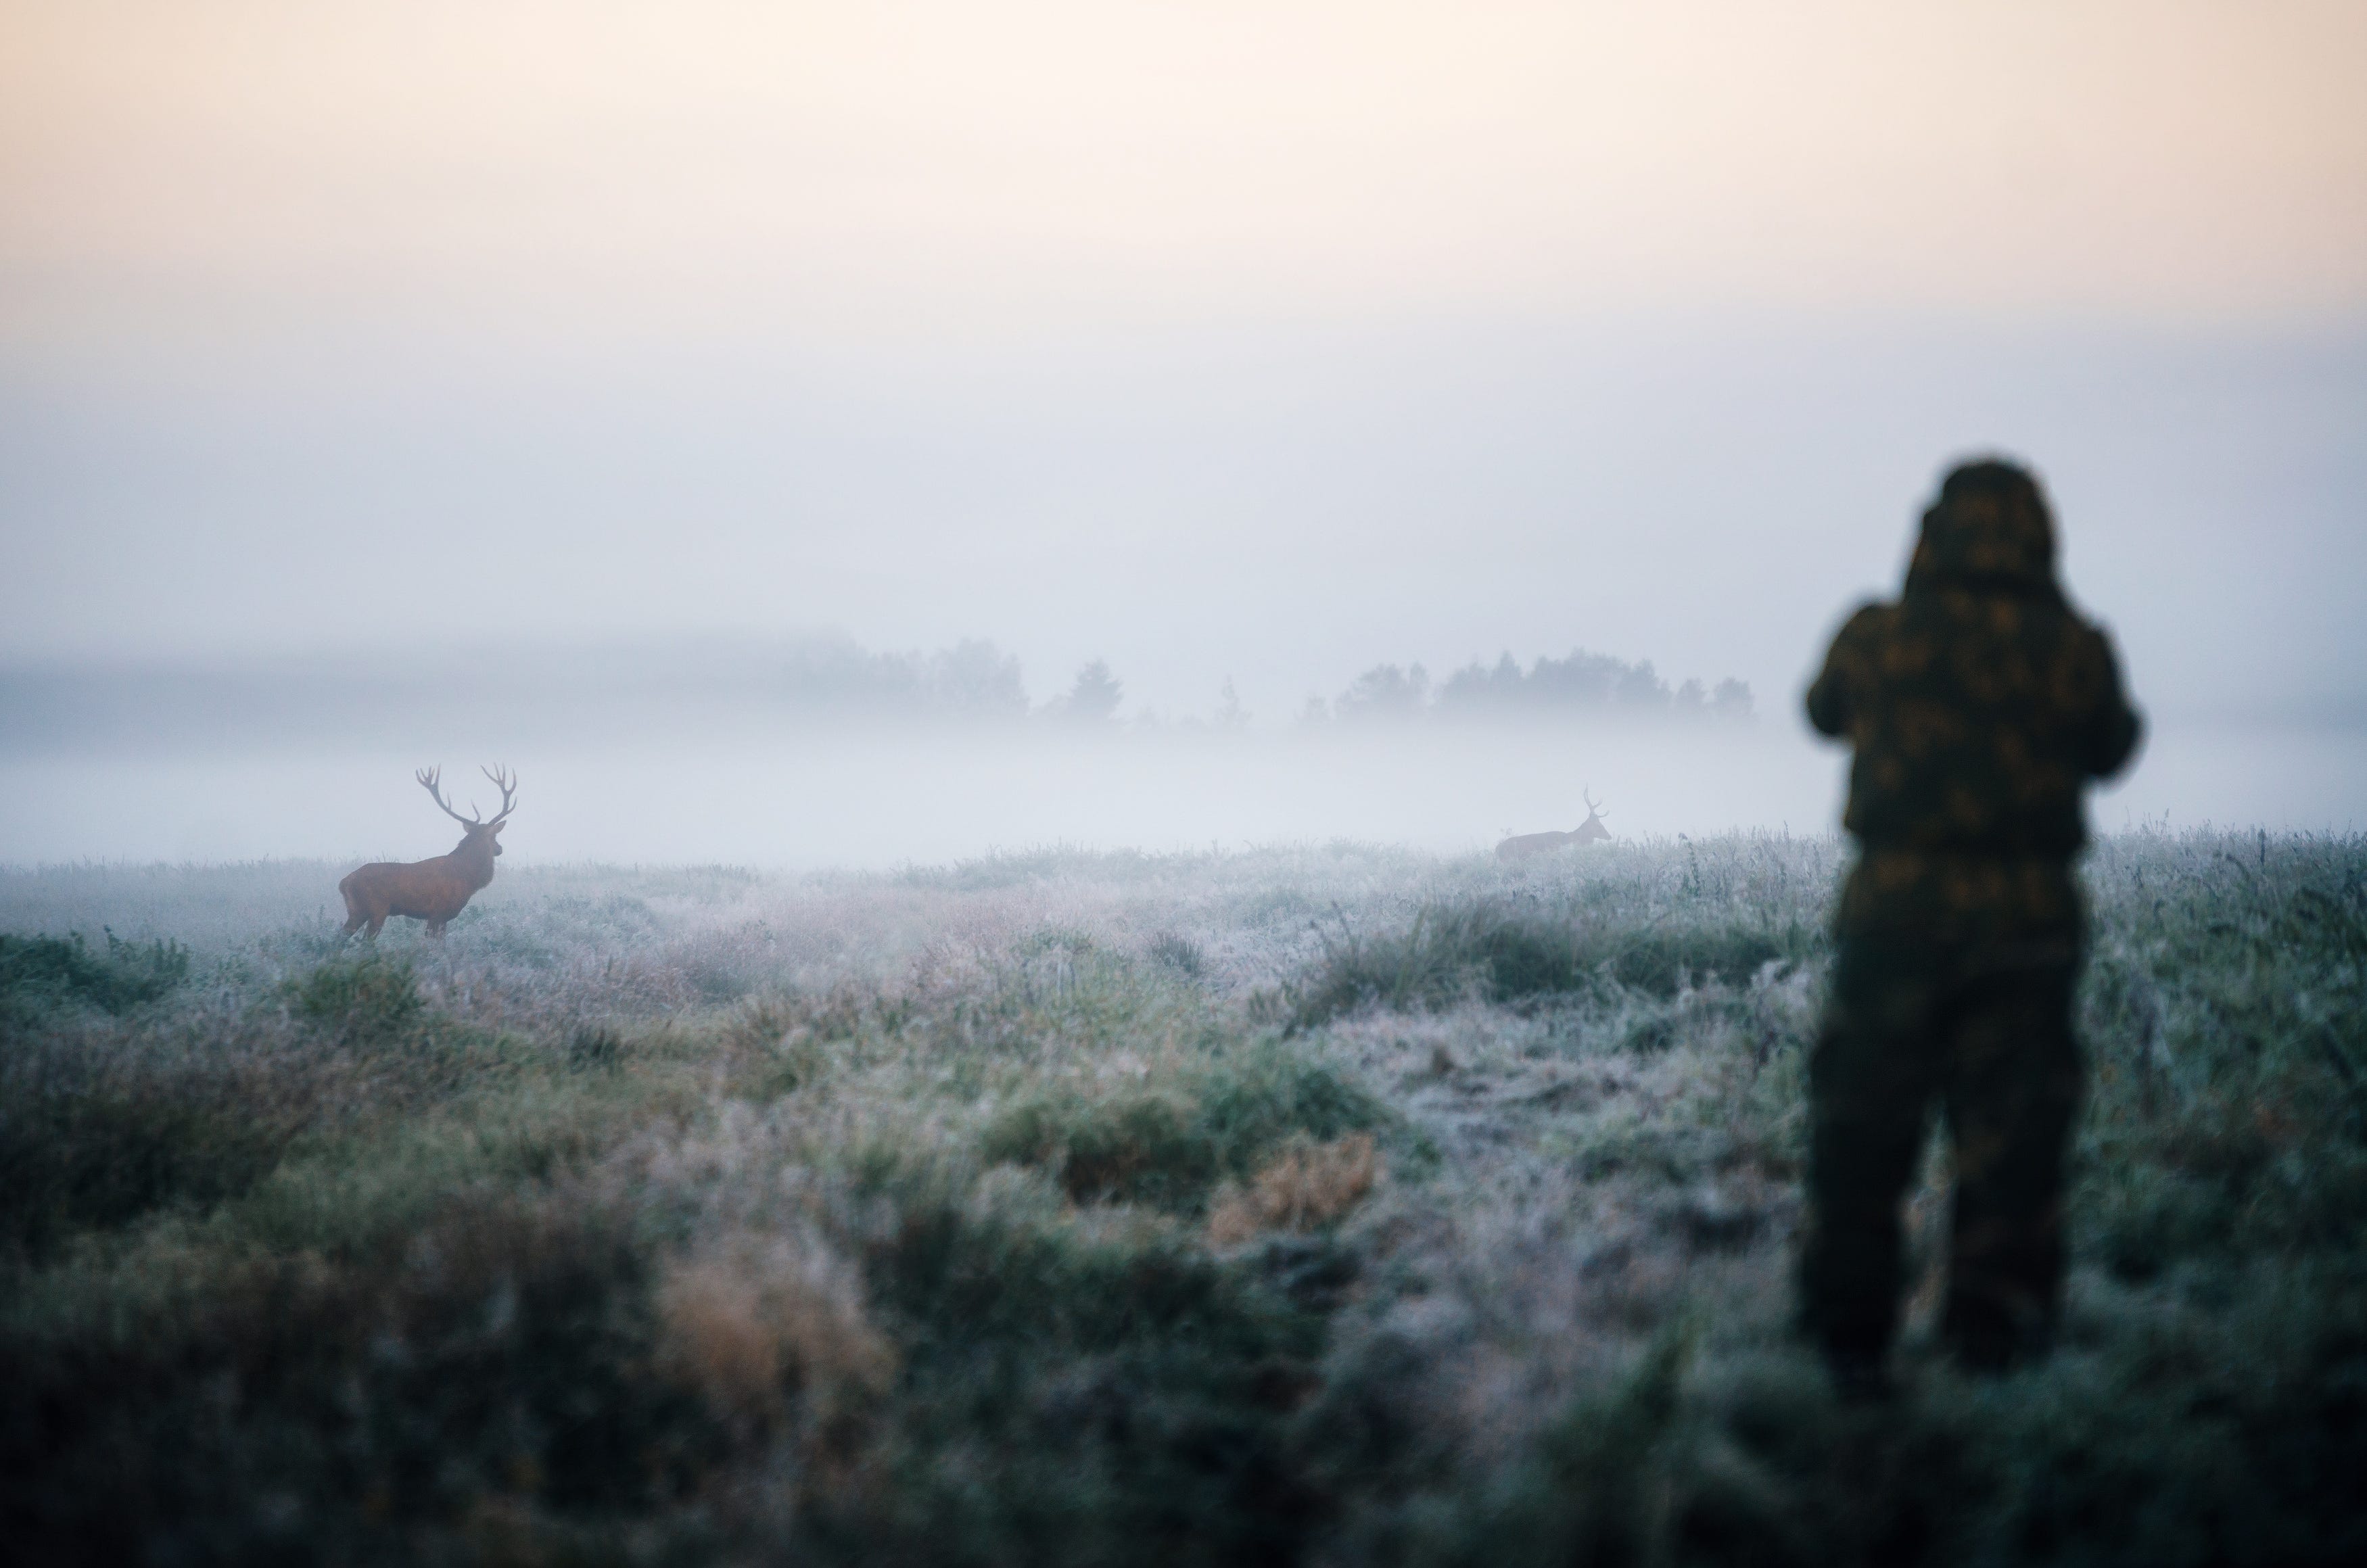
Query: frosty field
x=1321 y=1204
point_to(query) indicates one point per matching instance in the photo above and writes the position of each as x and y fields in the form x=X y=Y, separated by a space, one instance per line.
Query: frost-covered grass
x=1330 y=1203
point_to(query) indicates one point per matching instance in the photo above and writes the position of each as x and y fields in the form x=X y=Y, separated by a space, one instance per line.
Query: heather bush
x=370 y=999
x=93 y=1155
x=1506 y=953
x=38 y=973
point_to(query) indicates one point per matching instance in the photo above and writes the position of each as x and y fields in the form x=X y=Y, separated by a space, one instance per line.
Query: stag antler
x=1587 y=796
x=506 y=782
x=432 y=781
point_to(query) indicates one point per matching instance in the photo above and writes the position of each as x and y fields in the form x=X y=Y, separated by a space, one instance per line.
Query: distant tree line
x=976 y=680
x=973 y=679
x=1581 y=685
x=556 y=693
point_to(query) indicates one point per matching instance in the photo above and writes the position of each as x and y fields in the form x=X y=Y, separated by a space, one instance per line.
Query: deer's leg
x=436 y=930
x=376 y=923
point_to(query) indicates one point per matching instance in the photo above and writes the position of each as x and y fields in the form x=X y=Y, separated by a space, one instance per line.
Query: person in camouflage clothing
x=1980 y=704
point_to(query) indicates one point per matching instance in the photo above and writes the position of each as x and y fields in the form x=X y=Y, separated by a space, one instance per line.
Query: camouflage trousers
x=1984 y=1031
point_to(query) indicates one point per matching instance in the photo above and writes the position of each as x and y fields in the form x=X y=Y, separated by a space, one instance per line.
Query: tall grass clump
x=90 y=1141
x=1072 y=1390
x=503 y=1356
x=1498 y=951
x=371 y=1000
x=1169 y=1142
x=38 y=973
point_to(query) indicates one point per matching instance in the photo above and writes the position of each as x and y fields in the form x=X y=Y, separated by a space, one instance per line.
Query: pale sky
x=623 y=169
x=1269 y=339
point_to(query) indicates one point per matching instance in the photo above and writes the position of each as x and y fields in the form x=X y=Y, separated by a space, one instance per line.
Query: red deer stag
x=1528 y=846
x=431 y=891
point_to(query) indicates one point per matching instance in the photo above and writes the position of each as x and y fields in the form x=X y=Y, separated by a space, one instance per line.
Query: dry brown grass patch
x=744 y=1320
x=1306 y=1186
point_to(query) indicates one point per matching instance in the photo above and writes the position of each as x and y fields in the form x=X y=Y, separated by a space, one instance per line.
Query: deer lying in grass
x=1528 y=846
x=431 y=891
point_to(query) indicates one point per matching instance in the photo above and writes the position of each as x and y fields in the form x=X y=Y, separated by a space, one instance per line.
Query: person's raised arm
x=2109 y=736
x=1833 y=697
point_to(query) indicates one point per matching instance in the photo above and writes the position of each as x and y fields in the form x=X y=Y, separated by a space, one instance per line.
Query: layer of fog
x=1284 y=502
x=1286 y=508
x=880 y=798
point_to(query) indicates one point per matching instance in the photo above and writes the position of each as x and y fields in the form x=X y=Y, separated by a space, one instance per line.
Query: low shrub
x=1141 y=1147
x=370 y=1000
x=46 y=971
x=1309 y=1185
x=1592 y=1489
x=746 y=1317
x=1255 y=1098
x=1073 y=1390
x=1174 y=951
x=1167 y=1144
x=82 y=1159
x=1660 y=960
x=594 y=1047
x=784 y=1041
x=1503 y=953
x=503 y=1354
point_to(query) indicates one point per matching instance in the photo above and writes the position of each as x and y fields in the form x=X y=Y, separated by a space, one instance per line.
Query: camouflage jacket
x=1979 y=704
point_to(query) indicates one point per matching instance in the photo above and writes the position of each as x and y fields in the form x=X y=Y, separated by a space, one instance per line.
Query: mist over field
x=252 y=593
x=820 y=754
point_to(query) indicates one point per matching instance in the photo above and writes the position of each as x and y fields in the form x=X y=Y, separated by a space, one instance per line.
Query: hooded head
x=1989 y=530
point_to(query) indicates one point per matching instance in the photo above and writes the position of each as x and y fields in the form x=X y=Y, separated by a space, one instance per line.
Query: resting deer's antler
x=506 y=782
x=1588 y=796
x=431 y=780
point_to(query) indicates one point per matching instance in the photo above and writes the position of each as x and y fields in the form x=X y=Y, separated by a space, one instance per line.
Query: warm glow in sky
x=169 y=168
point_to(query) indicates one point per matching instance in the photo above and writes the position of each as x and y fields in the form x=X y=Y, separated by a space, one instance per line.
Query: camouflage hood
x=1988 y=532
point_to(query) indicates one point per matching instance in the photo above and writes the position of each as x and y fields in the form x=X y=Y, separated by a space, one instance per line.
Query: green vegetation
x=1168 y=1143
x=368 y=998
x=39 y=973
x=1501 y=953
x=1327 y=1205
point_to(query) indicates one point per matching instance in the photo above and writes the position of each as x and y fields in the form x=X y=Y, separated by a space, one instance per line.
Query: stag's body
x=1528 y=846
x=431 y=891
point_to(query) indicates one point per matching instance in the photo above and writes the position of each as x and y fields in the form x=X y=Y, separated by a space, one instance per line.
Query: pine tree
x=1094 y=700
